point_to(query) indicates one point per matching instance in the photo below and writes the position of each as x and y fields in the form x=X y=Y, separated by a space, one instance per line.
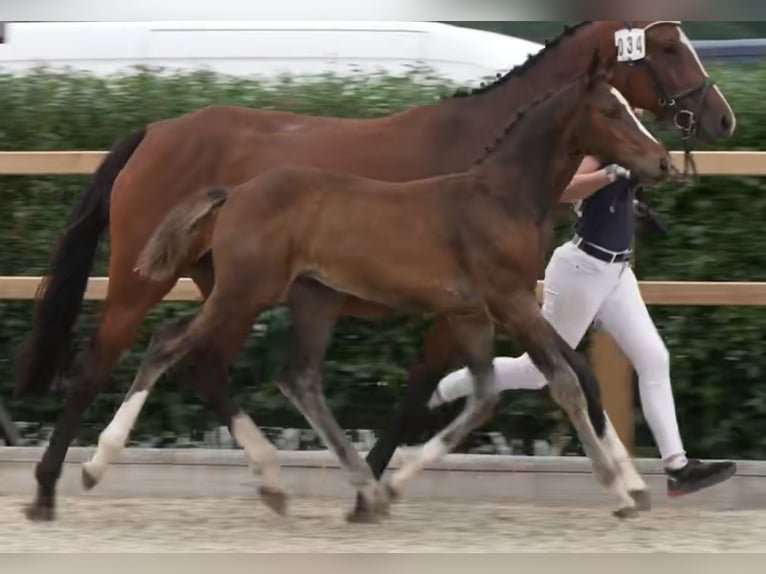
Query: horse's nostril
x=664 y=165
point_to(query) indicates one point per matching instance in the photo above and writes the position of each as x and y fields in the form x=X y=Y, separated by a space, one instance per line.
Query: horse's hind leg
x=475 y=335
x=314 y=309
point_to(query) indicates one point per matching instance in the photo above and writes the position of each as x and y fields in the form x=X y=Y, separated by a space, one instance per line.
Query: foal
x=469 y=246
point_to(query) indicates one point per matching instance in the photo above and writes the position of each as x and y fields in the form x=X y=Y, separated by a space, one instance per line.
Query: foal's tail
x=181 y=230
x=588 y=383
x=47 y=351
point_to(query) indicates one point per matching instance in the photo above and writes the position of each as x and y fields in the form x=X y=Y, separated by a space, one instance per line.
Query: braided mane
x=490 y=149
x=521 y=68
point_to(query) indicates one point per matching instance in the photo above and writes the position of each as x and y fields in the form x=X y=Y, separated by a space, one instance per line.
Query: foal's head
x=611 y=131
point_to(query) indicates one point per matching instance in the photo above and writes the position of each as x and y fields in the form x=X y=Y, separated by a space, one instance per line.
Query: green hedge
x=715 y=234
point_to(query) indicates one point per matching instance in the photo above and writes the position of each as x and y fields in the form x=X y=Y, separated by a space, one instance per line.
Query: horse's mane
x=490 y=149
x=521 y=68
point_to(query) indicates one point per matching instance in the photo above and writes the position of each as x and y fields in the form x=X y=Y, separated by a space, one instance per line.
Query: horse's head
x=659 y=68
x=610 y=130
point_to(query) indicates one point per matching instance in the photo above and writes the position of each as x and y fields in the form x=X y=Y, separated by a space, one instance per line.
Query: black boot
x=697 y=475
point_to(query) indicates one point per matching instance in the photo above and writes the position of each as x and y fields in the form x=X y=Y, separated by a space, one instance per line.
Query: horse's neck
x=482 y=115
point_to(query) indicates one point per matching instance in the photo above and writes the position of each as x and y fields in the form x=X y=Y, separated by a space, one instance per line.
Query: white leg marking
x=260 y=453
x=614 y=445
x=624 y=102
x=112 y=439
x=432 y=451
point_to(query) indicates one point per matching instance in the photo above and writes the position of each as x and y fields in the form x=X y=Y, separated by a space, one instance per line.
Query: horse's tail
x=47 y=350
x=588 y=383
x=181 y=230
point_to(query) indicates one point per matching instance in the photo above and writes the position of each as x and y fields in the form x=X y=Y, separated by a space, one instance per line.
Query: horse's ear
x=594 y=69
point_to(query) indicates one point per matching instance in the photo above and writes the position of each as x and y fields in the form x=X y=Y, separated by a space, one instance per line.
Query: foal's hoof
x=368 y=512
x=88 y=480
x=363 y=513
x=39 y=513
x=643 y=499
x=274 y=499
x=626 y=512
x=388 y=493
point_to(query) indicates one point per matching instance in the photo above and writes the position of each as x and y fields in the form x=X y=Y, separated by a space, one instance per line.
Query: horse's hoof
x=362 y=514
x=389 y=492
x=88 y=480
x=383 y=509
x=643 y=499
x=275 y=499
x=40 y=513
x=626 y=512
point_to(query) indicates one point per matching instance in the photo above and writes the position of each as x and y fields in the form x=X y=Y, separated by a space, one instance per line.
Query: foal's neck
x=531 y=166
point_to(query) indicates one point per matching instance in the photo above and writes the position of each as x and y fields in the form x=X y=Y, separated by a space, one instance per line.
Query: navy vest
x=606 y=218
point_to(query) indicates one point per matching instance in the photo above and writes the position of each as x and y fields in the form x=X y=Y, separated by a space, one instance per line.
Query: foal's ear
x=599 y=69
x=594 y=68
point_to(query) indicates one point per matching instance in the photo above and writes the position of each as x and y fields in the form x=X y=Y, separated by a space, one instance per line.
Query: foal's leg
x=114 y=437
x=128 y=299
x=206 y=373
x=475 y=334
x=564 y=368
x=159 y=357
x=439 y=351
x=315 y=309
x=172 y=342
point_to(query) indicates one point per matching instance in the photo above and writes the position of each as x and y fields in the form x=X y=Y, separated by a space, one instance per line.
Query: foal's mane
x=490 y=149
x=530 y=62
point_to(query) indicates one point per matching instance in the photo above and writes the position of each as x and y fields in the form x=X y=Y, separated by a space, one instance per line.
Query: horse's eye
x=670 y=50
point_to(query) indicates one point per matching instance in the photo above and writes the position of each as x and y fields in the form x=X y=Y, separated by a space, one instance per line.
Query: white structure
x=263 y=49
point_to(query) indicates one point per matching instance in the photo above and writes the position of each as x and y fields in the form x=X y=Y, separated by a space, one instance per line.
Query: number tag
x=630 y=44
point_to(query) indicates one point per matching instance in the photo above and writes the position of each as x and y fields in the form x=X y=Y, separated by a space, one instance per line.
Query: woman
x=589 y=279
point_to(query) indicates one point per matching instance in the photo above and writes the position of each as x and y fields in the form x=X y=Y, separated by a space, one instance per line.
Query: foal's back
x=391 y=243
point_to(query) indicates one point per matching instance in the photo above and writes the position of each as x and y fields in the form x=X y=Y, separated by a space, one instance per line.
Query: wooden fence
x=611 y=366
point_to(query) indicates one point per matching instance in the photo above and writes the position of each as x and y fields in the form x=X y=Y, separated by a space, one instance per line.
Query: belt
x=601 y=253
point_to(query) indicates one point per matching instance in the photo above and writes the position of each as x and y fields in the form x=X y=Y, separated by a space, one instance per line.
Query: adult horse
x=469 y=250
x=155 y=168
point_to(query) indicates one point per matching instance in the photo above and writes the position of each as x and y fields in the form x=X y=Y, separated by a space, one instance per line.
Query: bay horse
x=157 y=167
x=468 y=249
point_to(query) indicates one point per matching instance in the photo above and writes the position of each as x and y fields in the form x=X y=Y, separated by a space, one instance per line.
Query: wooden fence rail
x=682 y=293
x=85 y=162
x=611 y=366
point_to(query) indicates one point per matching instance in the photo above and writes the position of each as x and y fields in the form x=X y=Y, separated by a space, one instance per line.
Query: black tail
x=588 y=383
x=47 y=350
